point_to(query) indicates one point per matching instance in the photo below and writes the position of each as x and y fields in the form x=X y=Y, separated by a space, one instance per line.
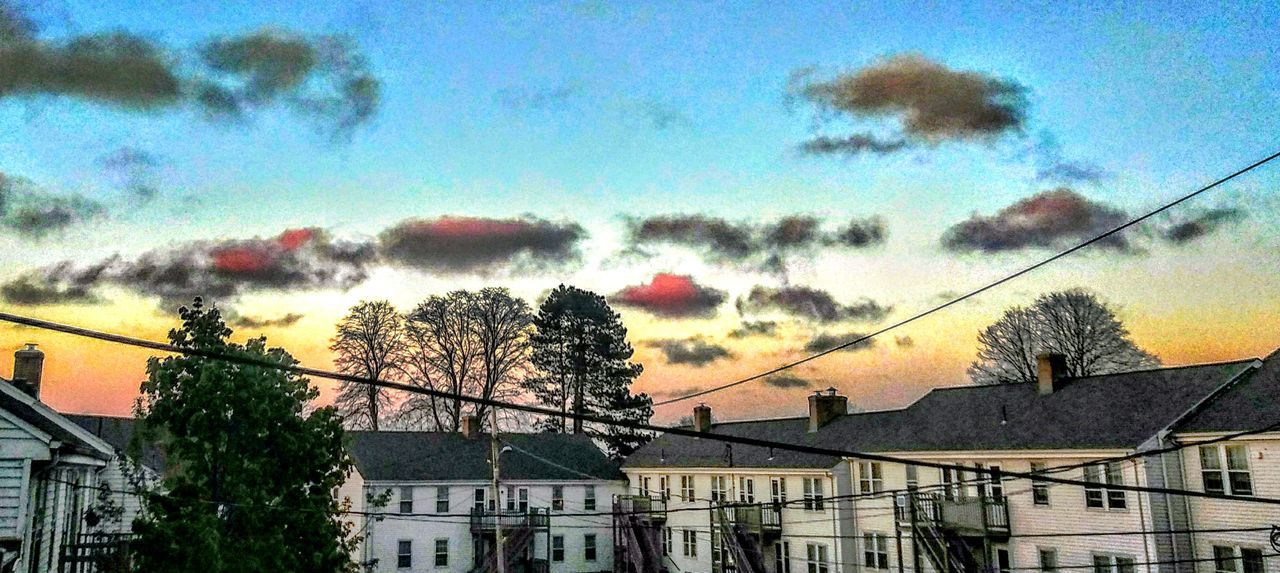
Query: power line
x=975 y=292
x=255 y=361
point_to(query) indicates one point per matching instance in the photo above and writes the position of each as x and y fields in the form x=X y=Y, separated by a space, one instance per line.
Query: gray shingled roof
x=37 y=416
x=119 y=432
x=1253 y=403
x=1118 y=411
x=449 y=456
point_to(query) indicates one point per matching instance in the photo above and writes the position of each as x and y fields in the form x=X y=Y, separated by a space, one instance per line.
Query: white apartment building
x=441 y=512
x=914 y=519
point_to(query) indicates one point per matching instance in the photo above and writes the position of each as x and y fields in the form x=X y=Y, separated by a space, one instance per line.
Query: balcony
x=97 y=553
x=650 y=509
x=965 y=515
x=484 y=521
x=764 y=519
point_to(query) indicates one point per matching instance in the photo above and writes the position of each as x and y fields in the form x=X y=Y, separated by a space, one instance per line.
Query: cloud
x=931 y=102
x=554 y=98
x=690 y=351
x=768 y=244
x=862 y=232
x=712 y=235
x=661 y=115
x=475 y=245
x=35 y=214
x=855 y=144
x=31 y=290
x=1071 y=172
x=289 y=319
x=1201 y=224
x=675 y=296
x=810 y=304
x=904 y=341
x=1047 y=219
x=787 y=381
x=134 y=170
x=297 y=259
x=321 y=77
x=754 y=328
x=826 y=341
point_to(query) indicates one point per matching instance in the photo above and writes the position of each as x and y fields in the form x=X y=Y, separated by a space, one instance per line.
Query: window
x=913 y=478
x=949 y=485
x=511 y=498
x=644 y=485
x=666 y=541
x=1100 y=496
x=589 y=547
x=996 y=482
x=404 y=554
x=557 y=548
x=870 y=477
x=816 y=558
x=664 y=485
x=1234 y=478
x=813 y=494
x=1048 y=560
x=406 y=500
x=1237 y=560
x=589 y=498
x=686 y=488
x=1112 y=564
x=875 y=551
x=1002 y=560
x=746 y=490
x=442 y=552
x=782 y=557
x=523 y=500
x=719 y=488
x=778 y=490
x=478 y=499
x=557 y=497
x=689 y=543
x=1039 y=488
x=442 y=499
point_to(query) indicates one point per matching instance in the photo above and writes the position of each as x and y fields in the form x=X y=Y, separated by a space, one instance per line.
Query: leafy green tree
x=252 y=474
x=582 y=357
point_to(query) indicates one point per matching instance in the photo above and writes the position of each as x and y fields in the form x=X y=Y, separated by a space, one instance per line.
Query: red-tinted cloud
x=1048 y=219
x=671 y=295
x=472 y=244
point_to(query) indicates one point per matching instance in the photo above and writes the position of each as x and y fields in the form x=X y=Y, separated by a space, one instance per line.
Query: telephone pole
x=494 y=453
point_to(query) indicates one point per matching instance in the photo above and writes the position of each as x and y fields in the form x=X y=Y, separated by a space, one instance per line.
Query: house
x=53 y=514
x=901 y=517
x=438 y=510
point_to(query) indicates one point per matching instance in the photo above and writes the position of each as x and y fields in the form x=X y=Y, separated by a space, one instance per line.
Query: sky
x=743 y=181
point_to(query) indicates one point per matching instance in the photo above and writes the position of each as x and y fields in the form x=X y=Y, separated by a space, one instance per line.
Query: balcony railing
x=97 y=553
x=760 y=518
x=483 y=521
x=650 y=508
x=966 y=515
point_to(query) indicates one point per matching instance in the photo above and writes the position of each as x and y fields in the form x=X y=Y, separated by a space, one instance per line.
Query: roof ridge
x=110 y=416
x=1160 y=368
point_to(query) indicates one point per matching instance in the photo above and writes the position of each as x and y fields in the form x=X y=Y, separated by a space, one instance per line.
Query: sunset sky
x=743 y=181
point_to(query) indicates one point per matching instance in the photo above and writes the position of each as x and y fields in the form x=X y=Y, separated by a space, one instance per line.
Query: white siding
x=1264 y=468
x=13 y=484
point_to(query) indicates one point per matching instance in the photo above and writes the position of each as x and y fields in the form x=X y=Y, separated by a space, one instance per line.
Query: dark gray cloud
x=478 y=245
x=35 y=214
x=1063 y=171
x=690 y=351
x=288 y=319
x=754 y=328
x=297 y=259
x=672 y=296
x=787 y=381
x=712 y=235
x=826 y=341
x=1047 y=219
x=33 y=290
x=862 y=232
x=768 y=244
x=323 y=77
x=931 y=102
x=1191 y=228
x=809 y=304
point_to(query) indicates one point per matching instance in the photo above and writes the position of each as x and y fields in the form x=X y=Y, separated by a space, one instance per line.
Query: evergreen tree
x=582 y=357
x=252 y=473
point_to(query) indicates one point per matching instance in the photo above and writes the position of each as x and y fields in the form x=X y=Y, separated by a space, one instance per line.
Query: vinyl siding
x=13 y=481
x=1264 y=469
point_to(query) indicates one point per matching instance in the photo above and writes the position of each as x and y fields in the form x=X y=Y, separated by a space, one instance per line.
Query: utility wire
x=975 y=292
x=256 y=361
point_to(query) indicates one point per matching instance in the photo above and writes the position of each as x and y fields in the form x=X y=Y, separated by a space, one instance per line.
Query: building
x=54 y=515
x=910 y=518
x=438 y=510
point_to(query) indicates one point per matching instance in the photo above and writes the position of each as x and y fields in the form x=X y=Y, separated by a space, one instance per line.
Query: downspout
x=835 y=524
x=1168 y=510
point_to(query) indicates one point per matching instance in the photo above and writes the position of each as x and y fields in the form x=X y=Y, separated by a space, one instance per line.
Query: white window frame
x=589 y=498
x=557 y=549
x=816 y=558
x=875 y=551
x=664 y=486
x=404 y=554
x=557 y=498
x=478 y=498
x=1003 y=554
x=436 y=559
x=1225 y=470
x=782 y=557
x=719 y=489
x=778 y=490
x=590 y=549
x=1113 y=563
x=1107 y=498
x=1039 y=487
x=870 y=477
x=1235 y=554
x=667 y=537
x=689 y=543
x=687 y=490
x=813 y=496
x=406 y=499
x=442 y=499
x=746 y=489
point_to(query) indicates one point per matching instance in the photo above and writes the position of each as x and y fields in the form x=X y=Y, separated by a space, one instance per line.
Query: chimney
x=1051 y=368
x=470 y=426
x=28 y=368
x=823 y=408
x=701 y=418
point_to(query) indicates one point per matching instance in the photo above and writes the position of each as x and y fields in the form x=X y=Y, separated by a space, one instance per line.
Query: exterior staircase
x=742 y=545
x=518 y=532
x=637 y=525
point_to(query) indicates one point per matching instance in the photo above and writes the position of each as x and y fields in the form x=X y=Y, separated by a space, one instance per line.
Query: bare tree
x=473 y=343
x=369 y=342
x=1074 y=323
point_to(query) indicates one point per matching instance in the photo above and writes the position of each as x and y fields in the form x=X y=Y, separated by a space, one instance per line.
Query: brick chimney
x=701 y=418
x=28 y=369
x=1051 y=368
x=823 y=408
x=470 y=426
